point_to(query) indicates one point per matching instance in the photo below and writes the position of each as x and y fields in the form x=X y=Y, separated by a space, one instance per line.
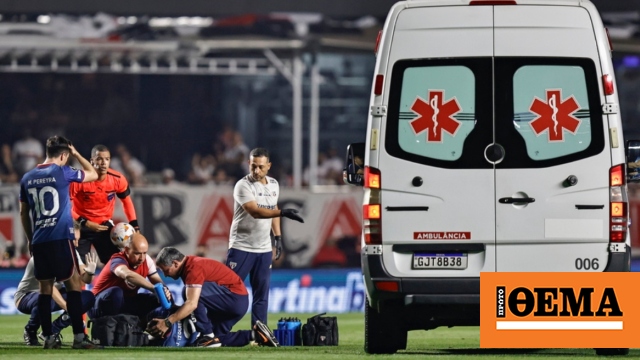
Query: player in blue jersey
x=45 y=213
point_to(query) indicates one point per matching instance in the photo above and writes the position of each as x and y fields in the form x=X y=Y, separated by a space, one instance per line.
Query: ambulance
x=494 y=144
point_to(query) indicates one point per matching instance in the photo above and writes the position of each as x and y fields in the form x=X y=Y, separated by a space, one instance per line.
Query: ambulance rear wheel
x=380 y=335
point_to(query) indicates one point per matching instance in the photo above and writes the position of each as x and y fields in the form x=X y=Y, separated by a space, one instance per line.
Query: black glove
x=108 y=223
x=277 y=243
x=291 y=214
x=135 y=225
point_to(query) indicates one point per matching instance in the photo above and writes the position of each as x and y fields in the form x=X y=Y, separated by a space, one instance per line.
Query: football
x=121 y=234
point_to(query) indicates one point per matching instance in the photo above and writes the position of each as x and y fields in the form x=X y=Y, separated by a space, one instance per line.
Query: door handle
x=511 y=200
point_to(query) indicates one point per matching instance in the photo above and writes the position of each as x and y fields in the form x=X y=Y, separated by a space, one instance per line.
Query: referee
x=94 y=203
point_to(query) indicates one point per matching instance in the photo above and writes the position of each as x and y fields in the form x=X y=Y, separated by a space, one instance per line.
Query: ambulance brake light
x=618 y=204
x=607 y=82
x=616 y=176
x=371 y=211
x=377 y=88
x=371 y=178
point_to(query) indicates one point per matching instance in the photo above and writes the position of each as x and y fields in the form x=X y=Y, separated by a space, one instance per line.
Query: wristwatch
x=167 y=323
x=82 y=221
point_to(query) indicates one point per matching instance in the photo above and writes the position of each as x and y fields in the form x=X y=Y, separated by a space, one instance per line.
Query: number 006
x=587 y=264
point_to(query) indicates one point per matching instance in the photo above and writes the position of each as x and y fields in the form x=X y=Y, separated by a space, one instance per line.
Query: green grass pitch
x=442 y=343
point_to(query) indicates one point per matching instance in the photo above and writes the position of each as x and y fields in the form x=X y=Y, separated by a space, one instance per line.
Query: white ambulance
x=494 y=143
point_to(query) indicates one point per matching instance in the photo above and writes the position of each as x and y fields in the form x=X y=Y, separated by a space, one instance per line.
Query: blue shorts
x=55 y=260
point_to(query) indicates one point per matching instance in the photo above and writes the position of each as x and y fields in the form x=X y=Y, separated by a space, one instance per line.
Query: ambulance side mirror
x=353 y=172
x=632 y=149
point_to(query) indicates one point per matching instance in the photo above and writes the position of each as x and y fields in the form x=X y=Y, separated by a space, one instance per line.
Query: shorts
x=101 y=241
x=55 y=260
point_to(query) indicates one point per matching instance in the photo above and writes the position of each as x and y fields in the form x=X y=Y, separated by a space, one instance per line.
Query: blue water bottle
x=297 y=332
x=291 y=324
x=159 y=289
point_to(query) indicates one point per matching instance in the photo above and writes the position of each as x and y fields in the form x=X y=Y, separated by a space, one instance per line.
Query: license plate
x=440 y=261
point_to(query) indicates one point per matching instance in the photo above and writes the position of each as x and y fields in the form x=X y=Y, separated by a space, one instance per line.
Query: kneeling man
x=217 y=297
x=117 y=286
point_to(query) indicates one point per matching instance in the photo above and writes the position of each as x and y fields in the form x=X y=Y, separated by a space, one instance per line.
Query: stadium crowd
x=160 y=129
x=222 y=165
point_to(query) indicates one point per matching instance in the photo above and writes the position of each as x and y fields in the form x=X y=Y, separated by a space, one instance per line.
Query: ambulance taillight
x=618 y=204
x=372 y=210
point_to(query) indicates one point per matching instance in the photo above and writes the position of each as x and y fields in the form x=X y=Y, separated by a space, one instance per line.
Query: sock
x=44 y=313
x=209 y=335
x=74 y=307
x=78 y=337
x=84 y=316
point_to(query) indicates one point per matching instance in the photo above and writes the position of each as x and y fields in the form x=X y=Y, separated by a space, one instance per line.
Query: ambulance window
x=437 y=111
x=440 y=112
x=551 y=110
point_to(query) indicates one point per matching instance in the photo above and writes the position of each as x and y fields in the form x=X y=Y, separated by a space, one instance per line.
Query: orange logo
x=559 y=310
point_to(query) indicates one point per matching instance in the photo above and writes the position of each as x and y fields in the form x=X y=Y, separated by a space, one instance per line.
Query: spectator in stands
x=236 y=155
x=202 y=169
x=127 y=164
x=321 y=172
x=8 y=173
x=168 y=176
x=220 y=177
x=332 y=167
x=27 y=153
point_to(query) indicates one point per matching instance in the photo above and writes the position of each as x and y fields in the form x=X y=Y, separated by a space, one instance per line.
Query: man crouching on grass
x=215 y=295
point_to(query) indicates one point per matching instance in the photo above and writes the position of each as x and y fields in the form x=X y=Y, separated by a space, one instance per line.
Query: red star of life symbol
x=435 y=115
x=554 y=115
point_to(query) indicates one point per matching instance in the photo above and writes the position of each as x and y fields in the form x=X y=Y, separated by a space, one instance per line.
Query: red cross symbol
x=435 y=116
x=554 y=115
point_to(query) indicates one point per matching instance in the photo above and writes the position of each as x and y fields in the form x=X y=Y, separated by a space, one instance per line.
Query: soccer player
x=94 y=203
x=215 y=295
x=26 y=299
x=45 y=214
x=255 y=215
x=116 y=288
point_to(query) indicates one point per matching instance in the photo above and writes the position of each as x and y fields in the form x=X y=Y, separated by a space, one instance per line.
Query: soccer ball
x=121 y=234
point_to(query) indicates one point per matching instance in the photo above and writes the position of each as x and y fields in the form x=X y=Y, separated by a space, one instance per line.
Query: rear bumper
x=419 y=291
x=445 y=291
